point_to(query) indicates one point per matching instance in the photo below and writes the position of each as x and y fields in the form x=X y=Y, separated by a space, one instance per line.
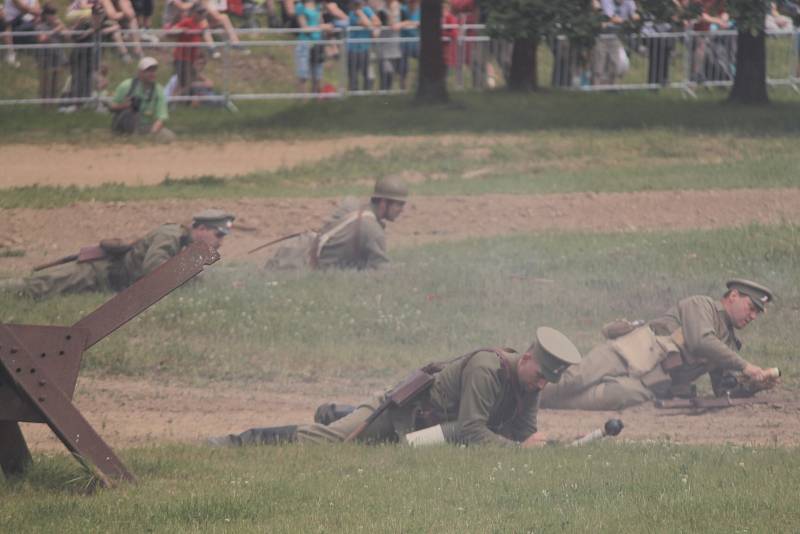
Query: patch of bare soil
x=47 y=234
x=149 y=164
x=129 y=412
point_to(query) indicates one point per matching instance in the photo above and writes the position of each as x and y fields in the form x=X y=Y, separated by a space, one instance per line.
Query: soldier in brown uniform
x=486 y=396
x=352 y=238
x=117 y=266
x=664 y=357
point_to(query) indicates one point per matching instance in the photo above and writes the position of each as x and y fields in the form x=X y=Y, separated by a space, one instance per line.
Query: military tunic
x=603 y=381
x=111 y=273
x=359 y=244
x=479 y=393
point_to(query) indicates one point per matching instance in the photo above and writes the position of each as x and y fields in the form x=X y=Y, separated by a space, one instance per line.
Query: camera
x=136 y=103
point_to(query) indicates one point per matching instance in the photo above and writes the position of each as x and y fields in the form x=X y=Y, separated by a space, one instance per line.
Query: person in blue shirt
x=309 y=54
x=364 y=24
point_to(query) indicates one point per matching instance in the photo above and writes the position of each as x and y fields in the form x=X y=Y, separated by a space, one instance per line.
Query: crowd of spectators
x=377 y=39
x=712 y=55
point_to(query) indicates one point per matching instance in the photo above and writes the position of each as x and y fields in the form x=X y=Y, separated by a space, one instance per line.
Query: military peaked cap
x=213 y=218
x=759 y=294
x=556 y=353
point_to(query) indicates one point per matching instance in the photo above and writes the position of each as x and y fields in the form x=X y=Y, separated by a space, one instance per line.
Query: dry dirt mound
x=134 y=413
x=47 y=234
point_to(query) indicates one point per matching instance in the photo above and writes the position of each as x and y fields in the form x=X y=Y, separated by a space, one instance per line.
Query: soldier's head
x=745 y=300
x=546 y=359
x=211 y=226
x=389 y=198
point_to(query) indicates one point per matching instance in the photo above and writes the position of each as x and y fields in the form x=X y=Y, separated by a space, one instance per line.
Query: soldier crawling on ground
x=662 y=359
x=353 y=237
x=488 y=396
x=114 y=265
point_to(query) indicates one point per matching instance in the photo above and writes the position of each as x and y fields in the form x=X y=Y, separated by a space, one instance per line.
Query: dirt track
x=137 y=413
x=148 y=164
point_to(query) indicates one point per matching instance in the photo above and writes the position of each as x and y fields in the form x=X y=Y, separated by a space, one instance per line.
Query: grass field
x=437 y=301
x=605 y=488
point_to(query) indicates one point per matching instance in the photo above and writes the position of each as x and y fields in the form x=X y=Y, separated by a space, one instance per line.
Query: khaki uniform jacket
x=478 y=396
x=359 y=245
x=110 y=274
x=710 y=344
x=154 y=249
x=485 y=399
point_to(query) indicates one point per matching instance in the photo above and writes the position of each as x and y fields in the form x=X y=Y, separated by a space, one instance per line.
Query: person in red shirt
x=449 y=36
x=189 y=29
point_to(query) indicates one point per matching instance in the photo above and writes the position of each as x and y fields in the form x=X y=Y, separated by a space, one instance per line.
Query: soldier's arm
x=162 y=247
x=480 y=390
x=697 y=320
x=374 y=246
x=524 y=424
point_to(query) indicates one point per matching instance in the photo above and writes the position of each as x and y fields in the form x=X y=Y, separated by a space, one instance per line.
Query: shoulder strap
x=134 y=85
x=323 y=239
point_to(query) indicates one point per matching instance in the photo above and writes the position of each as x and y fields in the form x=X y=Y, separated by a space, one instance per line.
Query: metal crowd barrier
x=263 y=65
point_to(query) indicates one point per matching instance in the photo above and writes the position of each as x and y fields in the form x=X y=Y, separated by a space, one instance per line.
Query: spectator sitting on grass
x=140 y=106
x=189 y=30
x=50 y=60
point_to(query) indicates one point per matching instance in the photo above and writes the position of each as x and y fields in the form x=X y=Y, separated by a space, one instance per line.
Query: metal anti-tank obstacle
x=39 y=369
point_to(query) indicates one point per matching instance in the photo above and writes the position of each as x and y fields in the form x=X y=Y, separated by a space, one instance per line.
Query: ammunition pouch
x=649 y=358
x=118 y=278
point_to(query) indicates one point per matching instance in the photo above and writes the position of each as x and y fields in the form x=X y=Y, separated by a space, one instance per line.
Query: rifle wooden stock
x=90 y=253
x=417 y=382
x=714 y=403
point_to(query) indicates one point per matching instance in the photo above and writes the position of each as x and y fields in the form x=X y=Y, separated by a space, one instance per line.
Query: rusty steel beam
x=39 y=367
x=34 y=381
x=147 y=291
x=14 y=454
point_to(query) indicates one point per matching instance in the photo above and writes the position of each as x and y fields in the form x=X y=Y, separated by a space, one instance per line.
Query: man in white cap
x=114 y=265
x=140 y=105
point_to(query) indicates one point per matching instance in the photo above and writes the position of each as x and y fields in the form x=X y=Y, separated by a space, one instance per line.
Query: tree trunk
x=750 y=82
x=432 y=81
x=523 y=72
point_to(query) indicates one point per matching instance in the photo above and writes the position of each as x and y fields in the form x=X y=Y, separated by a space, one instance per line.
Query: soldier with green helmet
x=352 y=238
x=114 y=265
x=662 y=359
x=487 y=396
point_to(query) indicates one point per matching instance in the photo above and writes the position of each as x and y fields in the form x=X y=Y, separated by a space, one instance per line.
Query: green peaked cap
x=555 y=353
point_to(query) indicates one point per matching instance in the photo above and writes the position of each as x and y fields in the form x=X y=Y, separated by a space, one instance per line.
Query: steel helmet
x=391 y=188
